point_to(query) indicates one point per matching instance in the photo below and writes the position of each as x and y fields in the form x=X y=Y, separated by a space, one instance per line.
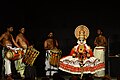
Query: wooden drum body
x=55 y=56
x=12 y=55
x=30 y=56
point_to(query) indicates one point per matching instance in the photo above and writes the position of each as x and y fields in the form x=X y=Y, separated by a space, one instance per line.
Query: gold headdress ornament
x=81 y=31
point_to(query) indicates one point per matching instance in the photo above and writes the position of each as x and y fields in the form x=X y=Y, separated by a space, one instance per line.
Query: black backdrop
x=62 y=18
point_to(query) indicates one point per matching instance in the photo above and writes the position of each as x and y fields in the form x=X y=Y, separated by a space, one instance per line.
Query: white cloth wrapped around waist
x=13 y=48
x=99 y=47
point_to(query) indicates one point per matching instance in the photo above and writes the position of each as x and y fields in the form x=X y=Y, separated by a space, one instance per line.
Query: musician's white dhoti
x=7 y=61
x=20 y=66
x=99 y=52
x=50 y=70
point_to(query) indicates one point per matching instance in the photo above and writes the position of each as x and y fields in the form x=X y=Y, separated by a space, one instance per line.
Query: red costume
x=81 y=59
x=81 y=51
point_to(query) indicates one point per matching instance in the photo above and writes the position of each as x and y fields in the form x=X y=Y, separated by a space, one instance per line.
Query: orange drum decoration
x=55 y=56
x=12 y=55
x=30 y=56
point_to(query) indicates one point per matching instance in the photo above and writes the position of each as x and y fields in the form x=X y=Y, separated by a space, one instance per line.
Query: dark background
x=40 y=17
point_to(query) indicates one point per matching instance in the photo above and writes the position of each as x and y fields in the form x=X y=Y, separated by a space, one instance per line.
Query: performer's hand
x=73 y=55
x=88 y=55
x=31 y=46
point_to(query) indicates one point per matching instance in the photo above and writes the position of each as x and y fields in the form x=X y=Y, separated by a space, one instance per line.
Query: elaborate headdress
x=81 y=32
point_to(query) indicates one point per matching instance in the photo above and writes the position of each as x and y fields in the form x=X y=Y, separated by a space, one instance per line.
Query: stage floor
x=67 y=78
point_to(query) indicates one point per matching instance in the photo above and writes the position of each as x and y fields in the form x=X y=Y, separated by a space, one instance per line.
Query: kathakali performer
x=81 y=59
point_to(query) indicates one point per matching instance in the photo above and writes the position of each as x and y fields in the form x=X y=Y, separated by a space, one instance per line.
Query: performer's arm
x=45 y=45
x=15 y=42
x=95 y=42
x=56 y=43
x=17 y=39
x=105 y=41
x=89 y=50
x=1 y=37
x=73 y=53
x=91 y=53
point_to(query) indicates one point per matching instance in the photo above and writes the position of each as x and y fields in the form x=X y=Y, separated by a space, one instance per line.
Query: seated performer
x=81 y=59
x=6 y=41
x=50 y=44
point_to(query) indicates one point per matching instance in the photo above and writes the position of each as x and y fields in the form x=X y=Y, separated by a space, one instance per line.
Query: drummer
x=24 y=44
x=6 y=41
x=49 y=44
x=100 y=43
x=21 y=40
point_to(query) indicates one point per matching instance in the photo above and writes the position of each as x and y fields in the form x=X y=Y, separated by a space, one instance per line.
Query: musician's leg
x=20 y=67
x=7 y=66
x=47 y=63
x=54 y=70
x=8 y=72
x=100 y=54
x=47 y=67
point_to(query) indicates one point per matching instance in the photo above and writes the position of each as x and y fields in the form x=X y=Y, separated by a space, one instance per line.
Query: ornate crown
x=81 y=32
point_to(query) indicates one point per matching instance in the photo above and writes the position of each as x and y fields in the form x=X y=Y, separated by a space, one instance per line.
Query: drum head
x=9 y=55
x=55 y=50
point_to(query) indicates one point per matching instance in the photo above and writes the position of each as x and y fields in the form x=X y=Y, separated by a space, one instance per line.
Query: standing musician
x=100 y=43
x=7 y=41
x=50 y=44
x=24 y=44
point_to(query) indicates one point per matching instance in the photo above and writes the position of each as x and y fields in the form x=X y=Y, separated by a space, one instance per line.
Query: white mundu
x=7 y=63
x=99 y=52
x=50 y=70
